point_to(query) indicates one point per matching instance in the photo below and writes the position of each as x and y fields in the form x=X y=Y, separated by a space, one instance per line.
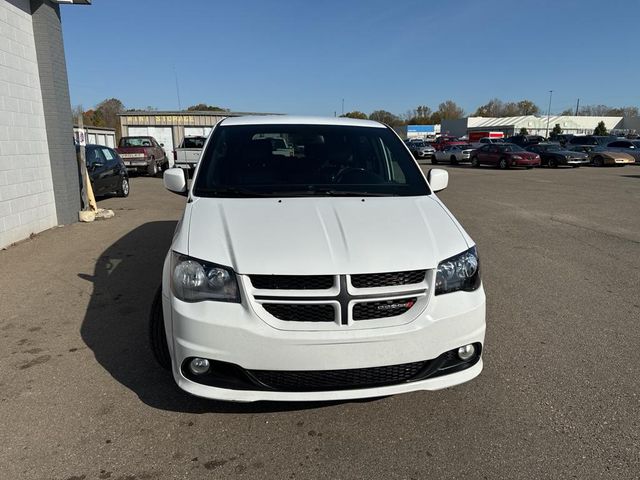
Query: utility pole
x=549 y=112
x=177 y=87
x=343 y=106
x=577 y=107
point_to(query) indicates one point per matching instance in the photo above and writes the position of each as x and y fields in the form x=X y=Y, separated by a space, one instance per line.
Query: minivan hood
x=336 y=235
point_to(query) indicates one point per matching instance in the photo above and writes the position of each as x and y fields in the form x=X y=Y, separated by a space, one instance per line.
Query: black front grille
x=390 y=279
x=382 y=308
x=292 y=282
x=318 y=380
x=295 y=312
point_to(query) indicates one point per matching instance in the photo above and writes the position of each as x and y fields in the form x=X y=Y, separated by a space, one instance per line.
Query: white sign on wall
x=80 y=137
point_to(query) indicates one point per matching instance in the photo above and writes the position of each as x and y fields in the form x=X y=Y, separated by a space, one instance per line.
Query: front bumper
x=525 y=163
x=234 y=334
x=576 y=161
x=136 y=165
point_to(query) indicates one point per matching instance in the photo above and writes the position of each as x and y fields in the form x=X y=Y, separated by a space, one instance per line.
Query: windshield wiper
x=230 y=192
x=333 y=193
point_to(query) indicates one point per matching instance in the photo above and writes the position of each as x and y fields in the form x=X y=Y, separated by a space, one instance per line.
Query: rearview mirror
x=162 y=144
x=175 y=181
x=438 y=179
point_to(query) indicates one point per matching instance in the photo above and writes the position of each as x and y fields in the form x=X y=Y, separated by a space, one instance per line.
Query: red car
x=504 y=156
x=444 y=141
x=143 y=155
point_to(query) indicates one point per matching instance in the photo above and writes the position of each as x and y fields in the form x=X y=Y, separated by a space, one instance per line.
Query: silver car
x=632 y=147
x=453 y=154
x=422 y=150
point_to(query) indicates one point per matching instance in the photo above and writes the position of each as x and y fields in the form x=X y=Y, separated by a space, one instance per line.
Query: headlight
x=461 y=272
x=194 y=280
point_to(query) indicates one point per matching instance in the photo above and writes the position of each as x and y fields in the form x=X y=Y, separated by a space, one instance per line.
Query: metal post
x=343 y=106
x=549 y=112
x=177 y=87
x=82 y=160
x=577 y=107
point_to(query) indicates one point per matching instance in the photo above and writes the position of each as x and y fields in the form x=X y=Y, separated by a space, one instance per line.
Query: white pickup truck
x=186 y=156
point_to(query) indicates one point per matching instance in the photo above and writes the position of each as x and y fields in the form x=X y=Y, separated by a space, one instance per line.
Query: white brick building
x=38 y=173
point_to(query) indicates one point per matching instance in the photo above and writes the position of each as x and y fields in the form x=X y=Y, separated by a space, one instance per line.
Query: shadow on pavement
x=115 y=326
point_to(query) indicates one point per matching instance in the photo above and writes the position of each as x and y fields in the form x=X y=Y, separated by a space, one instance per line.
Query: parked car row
x=532 y=150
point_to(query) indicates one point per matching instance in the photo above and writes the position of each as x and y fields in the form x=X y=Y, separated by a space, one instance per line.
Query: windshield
x=552 y=148
x=193 y=142
x=135 y=142
x=321 y=160
x=605 y=140
x=511 y=148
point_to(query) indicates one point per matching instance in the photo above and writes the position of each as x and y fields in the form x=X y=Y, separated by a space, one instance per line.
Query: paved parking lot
x=81 y=397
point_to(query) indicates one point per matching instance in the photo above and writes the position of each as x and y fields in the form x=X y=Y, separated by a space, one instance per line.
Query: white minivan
x=331 y=273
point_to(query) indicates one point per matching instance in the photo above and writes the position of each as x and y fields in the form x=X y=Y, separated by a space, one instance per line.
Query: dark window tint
x=94 y=155
x=135 y=142
x=193 y=142
x=241 y=160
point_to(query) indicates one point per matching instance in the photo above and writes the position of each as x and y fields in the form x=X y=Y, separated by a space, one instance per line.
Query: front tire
x=123 y=191
x=434 y=161
x=598 y=161
x=504 y=164
x=453 y=160
x=157 y=335
x=553 y=163
x=475 y=163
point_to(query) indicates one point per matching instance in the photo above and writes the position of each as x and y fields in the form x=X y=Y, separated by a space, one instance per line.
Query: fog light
x=466 y=352
x=198 y=366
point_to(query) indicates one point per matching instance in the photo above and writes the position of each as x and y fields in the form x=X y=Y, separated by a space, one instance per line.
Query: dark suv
x=586 y=143
x=524 y=140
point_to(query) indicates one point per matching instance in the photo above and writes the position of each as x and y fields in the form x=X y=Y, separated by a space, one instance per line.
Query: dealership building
x=39 y=186
x=535 y=125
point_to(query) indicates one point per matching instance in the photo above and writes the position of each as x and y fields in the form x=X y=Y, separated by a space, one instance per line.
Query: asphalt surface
x=81 y=396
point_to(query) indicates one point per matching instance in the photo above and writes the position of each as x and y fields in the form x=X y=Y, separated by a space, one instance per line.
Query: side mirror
x=438 y=179
x=175 y=181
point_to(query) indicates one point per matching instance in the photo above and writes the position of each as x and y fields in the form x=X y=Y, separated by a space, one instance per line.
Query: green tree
x=383 y=116
x=493 y=108
x=421 y=115
x=600 y=129
x=497 y=108
x=106 y=114
x=524 y=131
x=355 y=114
x=203 y=107
x=527 y=107
x=556 y=131
x=448 y=110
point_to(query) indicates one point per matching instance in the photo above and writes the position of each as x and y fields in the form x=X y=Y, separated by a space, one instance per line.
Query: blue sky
x=301 y=57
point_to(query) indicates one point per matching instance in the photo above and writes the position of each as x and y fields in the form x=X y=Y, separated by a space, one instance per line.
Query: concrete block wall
x=27 y=203
x=52 y=68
